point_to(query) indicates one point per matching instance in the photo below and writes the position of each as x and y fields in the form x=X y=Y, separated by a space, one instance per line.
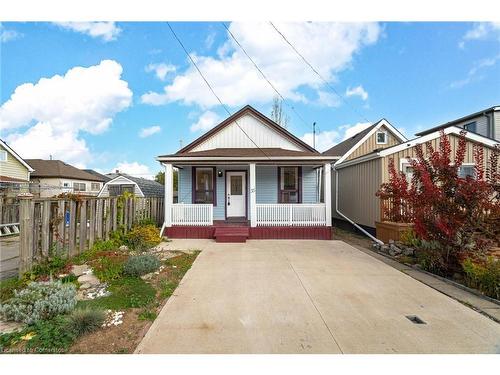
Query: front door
x=235 y=194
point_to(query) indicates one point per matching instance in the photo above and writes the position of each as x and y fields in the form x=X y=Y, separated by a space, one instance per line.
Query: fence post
x=72 y=228
x=82 y=242
x=45 y=228
x=25 y=232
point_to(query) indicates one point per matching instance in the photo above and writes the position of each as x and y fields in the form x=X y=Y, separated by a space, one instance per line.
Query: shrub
x=108 y=265
x=48 y=267
x=8 y=286
x=50 y=336
x=484 y=276
x=147 y=315
x=83 y=321
x=143 y=237
x=141 y=265
x=408 y=238
x=38 y=301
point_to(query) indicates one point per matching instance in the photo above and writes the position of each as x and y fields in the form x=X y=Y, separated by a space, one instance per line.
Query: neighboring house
x=358 y=179
x=485 y=123
x=97 y=174
x=54 y=177
x=119 y=183
x=14 y=172
x=248 y=178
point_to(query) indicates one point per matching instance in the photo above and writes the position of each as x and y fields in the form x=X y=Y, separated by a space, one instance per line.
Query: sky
x=113 y=95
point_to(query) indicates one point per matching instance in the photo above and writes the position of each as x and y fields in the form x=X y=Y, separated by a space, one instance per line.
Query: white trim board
x=425 y=138
x=16 y=156
x=380 y=123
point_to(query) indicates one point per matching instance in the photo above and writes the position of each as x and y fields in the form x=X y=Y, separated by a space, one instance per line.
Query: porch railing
x=192 y=214
x=284 y=214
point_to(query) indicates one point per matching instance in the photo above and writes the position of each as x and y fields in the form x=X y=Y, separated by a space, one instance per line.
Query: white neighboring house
x=120 y=183
x=53 y=177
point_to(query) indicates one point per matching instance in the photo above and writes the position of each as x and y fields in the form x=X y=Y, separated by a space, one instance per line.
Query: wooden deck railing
x=192 y=214
x=287 y=214
x=399 y=212
x=72 y=226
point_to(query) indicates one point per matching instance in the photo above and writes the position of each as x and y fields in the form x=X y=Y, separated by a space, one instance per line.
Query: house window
x=66 y=184
x=204 y=185
x=289 y=179
x=94 y=186
x=3 y=155
x=407 y=169
x=466 y=170
x=79 y=186
x=471 y=127
x=381 y=138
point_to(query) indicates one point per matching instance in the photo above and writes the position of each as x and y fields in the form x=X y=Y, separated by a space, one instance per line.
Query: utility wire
x=211 y=89
x=264 y=76
x=319 y=75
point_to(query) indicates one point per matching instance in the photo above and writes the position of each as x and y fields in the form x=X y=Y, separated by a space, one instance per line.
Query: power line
x=264 y=76
x=318 y=74
x=211 y=89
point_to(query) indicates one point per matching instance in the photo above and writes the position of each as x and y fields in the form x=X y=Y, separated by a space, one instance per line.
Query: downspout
x=344 y=216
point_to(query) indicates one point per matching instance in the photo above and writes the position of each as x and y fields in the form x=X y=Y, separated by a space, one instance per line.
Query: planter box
x=388 y=230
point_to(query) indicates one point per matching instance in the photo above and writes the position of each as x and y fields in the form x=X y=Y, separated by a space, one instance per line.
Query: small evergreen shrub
x=83 y=321
x=108 y=265
x=484 y=276
x=50 y=336
x=141 y=265
x=143 y=237
x=39 y=301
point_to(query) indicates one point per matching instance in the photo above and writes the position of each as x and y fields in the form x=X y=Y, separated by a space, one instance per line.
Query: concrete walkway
x=309 y=297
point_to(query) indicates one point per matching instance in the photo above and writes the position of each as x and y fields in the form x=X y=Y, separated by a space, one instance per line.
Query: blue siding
x=266 y=184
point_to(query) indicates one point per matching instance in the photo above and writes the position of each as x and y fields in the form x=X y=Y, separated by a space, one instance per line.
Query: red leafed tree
x=453 y=215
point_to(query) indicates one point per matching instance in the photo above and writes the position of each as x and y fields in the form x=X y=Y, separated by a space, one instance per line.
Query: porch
x=254 y=200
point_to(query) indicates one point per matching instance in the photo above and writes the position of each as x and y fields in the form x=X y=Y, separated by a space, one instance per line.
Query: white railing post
x=253 y=196
x=169 y=193
x=328 y=193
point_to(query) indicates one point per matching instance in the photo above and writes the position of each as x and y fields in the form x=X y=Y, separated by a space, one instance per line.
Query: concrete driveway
x=309 y=297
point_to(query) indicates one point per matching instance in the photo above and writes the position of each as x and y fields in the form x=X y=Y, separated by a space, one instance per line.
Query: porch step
x=231 y=234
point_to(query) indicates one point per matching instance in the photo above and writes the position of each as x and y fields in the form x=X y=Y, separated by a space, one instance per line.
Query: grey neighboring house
x=119 y=183
x=97 y=174
x=485 y=123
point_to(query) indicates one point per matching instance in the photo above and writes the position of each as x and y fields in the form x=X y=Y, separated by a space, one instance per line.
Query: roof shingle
x=58 y=168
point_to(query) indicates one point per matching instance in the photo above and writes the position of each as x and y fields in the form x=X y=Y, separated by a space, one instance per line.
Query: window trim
x=4 y=152
x=402 y=163
x=386 y=137
x=79 y=183
x=193 y=183
x=299 y=183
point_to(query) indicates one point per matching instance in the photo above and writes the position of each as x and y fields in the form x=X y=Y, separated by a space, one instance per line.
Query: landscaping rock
x=409 y=251
x=113 y=318
x=88 y=278
x=123 y=248
x=9 y=327
x=147 y=276
x=79 y=270
x=85 y=286
x=93 y=292
x=394 y=250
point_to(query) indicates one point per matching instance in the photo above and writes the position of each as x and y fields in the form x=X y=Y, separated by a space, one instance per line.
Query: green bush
x=140 y=265
x=108 y=266
x=43 y=270
x=8 y=286
x=83 y=321
x=484 y=276
x=38 y=301
x=143 y=237
x=50 y=336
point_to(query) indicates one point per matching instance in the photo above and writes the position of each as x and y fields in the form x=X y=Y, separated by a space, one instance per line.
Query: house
x=356 y=180
x=485 y=123
x=248 y=178
x=97 y=174
x=14 y=172
x=54 y=177
x=119 y=183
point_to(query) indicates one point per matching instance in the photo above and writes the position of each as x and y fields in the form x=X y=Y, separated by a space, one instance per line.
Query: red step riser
x=227 y=239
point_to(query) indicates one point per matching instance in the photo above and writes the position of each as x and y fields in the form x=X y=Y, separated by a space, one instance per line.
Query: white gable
x=231 y=136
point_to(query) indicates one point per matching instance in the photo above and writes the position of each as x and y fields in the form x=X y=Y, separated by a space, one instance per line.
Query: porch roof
x=246 y=154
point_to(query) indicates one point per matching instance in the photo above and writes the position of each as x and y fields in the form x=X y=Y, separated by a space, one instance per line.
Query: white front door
x=235 y=194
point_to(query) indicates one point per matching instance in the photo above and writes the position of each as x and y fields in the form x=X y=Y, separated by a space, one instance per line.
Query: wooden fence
x=73 y=226
x=9 y=210
x=398 y=212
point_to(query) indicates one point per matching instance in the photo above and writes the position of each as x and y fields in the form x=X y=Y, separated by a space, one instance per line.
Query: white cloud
x=48 y=117
x=328 y=46
x=357 y=91
x=107 y=31
x=481 y=31
x=209 y=40
x=351 y=130
x=474 y=74
x=147 y=132
x=328 y=99
x=134 y=169
x=324 y=139
x=206 y=121
x=161 y=70
x=7 y=35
